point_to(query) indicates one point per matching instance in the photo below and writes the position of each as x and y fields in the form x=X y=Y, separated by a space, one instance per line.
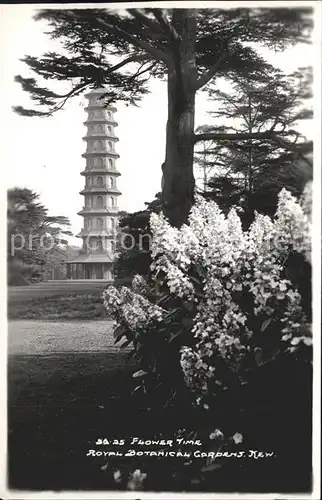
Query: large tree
x=188 y=47
x=251 y=172
x=33 y=236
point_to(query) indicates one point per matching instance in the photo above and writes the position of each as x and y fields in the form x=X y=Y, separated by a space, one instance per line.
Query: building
x=100 y=210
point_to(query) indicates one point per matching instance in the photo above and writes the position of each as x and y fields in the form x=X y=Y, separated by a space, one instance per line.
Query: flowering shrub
x=223 y=319
x=132 y=307
x=222 y=290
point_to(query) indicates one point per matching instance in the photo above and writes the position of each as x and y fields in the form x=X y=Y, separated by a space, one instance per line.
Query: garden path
x=28 y=337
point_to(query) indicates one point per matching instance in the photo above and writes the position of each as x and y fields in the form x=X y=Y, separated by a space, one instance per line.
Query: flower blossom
x=131 y=308
x=240 y=279
x=136 y=480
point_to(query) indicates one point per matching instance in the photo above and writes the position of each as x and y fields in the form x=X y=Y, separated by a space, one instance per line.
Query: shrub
x=225 y=287
x=223 y=315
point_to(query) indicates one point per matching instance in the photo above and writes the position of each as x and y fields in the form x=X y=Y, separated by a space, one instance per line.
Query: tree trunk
x=178 y=179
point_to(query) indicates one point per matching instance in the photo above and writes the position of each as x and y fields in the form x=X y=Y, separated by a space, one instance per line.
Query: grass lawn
x=84 y=305
x=38 y=337
x=58 y=406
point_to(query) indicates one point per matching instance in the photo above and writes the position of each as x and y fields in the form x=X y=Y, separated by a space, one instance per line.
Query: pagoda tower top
x=94 y=98
x=97 y=90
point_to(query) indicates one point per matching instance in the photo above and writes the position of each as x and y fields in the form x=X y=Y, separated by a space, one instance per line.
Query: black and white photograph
x=162 y=250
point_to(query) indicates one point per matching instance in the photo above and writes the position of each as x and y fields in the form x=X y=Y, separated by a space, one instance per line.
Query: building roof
x=100 y=170
x=97 y=90
x=90 y=259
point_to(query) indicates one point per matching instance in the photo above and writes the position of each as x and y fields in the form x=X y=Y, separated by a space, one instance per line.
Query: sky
x=44 y=154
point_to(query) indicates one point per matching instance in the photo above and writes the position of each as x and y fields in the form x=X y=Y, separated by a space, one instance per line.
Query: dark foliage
x=55 y=417
x=250 y=173
x=34 y=239
x=134 y=243
x=187 y=46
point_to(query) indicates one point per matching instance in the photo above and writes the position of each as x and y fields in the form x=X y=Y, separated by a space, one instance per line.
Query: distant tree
x=204 y=162
x=31 y=232
x=134 y=243
x=188 y=47
x=55 y=261
x=251 y=172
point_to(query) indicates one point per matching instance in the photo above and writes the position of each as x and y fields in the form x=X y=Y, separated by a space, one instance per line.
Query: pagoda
x=100 y=211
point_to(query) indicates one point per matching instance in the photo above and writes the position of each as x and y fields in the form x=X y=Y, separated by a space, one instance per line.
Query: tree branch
x=168 y=29
x=291 y=147
x=141 y=71
x=67 y=96
x=229 y=137
x=155 y=27
x=157 y=54
x=260 y=135
x=71 y=93
x=136 y=58
x=207 y=75
x=83 y=85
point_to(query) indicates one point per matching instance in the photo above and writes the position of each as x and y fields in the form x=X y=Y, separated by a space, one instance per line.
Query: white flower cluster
x=232 y=276
x=231 y=264
x=306 y=200
x=195 y=370
x=131 y=307
x=139 y=284
x=292 y=225
x=171 y=252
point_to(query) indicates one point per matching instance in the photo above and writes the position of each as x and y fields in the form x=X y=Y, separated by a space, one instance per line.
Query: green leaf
x=140 y=374
x=131 y=355
x=195 y=280
x=171 y=314
x=211 y=467
x=119 y=332
x=175 y=335
x=136 y=389
x=126 y=343
x=258 y=353
x=265 y=324
x=163 y=299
